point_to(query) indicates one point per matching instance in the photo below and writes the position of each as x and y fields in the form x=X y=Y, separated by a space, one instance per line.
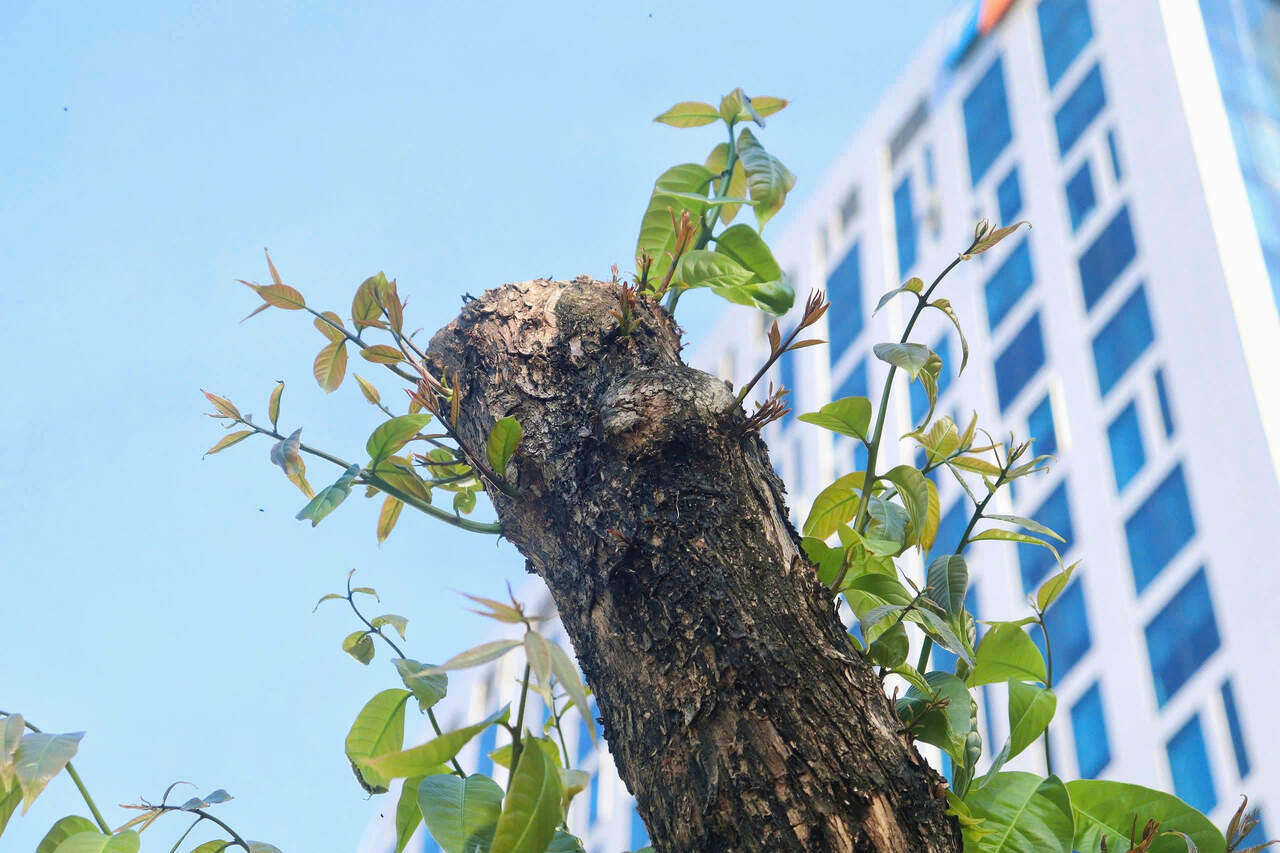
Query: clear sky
x=162 y=602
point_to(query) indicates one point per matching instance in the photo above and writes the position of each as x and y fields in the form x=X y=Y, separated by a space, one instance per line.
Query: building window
x=488 y=743
x=844 y=290
x=907 y=131
x=1068 y=624
x=1114 y=149
x=986 y=121
x=1237 y=731
x=905 y=225
x=639 y=835
x=1009 y=197
x=1159 y=528
x=1107 y=257
x=1064 y=31
x=1021 y=360
x=429 y=844
x=1080 y=197
x=1166 y=411
x=585 y=745
x=849 y=210
x=855 y=384
x=1040 y=427
x=593 y=799
x=1122 y=340
x=1079 y=110
x=1008 y=283
x=1257 y=837
x=787 y=378
x=1189 y=767
x=950 y=528
x=1035 y=562
x=1181 y=637
x=1089 y=730
x=1125 y=437
x=919 y=398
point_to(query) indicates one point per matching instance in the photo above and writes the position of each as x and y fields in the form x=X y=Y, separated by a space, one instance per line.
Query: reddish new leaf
x=331 y=366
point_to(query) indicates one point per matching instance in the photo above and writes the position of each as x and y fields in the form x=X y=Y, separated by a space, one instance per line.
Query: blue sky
x=162 y=602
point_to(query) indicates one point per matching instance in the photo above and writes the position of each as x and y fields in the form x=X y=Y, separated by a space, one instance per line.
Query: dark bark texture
x=736 y=709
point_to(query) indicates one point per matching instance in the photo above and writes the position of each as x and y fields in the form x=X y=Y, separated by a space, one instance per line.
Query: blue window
x=855 y=384
x=1125 y=437
x=1021 y=360
x=787 y=378
x=919 y=398
x=1237 y=731
x=1189 y=766
x=929 y=177
x=1040 y=427
x=1008 y=283
x=1114 y=148
x=950 y=528
x=904 y=222
x=1035 y=562
x=1064 y=31
x=1110 y=254
x=639 y=835
x=1079 y=110
x=1080 y=198
x=488 y=743
x=593 y=799
x=585 y=746
x=1089 y=729
x=1159 y=528
x=986 y=121
x=1122 y=340
x=844 y=290
x=1068 y=624
x=1181 y=637
x=1009 y=197
x=1166 y=411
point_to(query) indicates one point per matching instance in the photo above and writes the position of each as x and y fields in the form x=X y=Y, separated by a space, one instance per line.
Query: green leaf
x=948 y=579
x=9 y=799
x=913 y=491
x=538 y=652
x=216 y=846
x=359 y=644
x=774 y=297
x=975 y=464
x=460 y=813
x=563 y=842
x=1053 y=587
x=703 y=268
x=657 y=236
x=768 y=181
x=64 y=829
x=331 y=365
x=1024 y=812
x=262 y=847
x=388 y=516
x=944 y=305
x=992 y=237
x=39 y=758
x=382 y=354
x=913 y=285
x=849 y=416
x=910 y=357
x=767 y=105
x=689 y=114
x=932 y=517
x=328 y=498
x=826 y=558
x=502 y=755
x=378 y=729
x=10 y=737
x=95 y=842
x=477 y=655
x=423 y=760
x=941 y=632
x=365 y=311
x=1031 y=708
x=1006 y=653
x=1010 y=536
x=940 y=441
x=228 y=440
x=532 y=808
x=395 y=621
x=835 y=505
x=504 y=438
x=329 y=324
x=428 y=687
x=1108 y=809
x=946 y=726
x=567 y=674
x=394 y=434
x=890 y=648
x=743 y=244
x=273 y=403
x=1033 y=526
x=408 y=813
x=370 y=393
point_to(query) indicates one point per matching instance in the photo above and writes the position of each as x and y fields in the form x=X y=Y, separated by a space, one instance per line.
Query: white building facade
x=1133 y=331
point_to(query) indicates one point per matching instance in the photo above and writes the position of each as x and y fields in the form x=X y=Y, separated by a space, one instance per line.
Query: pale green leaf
x=366 y=388
x=768 y=181
x=394 y=434
x=95 y=842
x=64 y=829
x=835 y=505
x=567 y=674
x=689 y=114
x=428 y=687
x=38 y=758
x=504 y=438
x=992 y=237
x=460 y=814
x=399 y=623
x=476 y=656
x=359 y=644
x=538 y=652
x=10 y=797
x=328 y=498
x=423 y=760
x=1006 y=653
x=913 y=491
x=1034 y=526
x=388 y=516
x=1024 y=813
x=909 y=357
x=331 y=365
x=365 y=311
x=330 y=325
x=408 y=813
x=703 y=268
x=1053 y=587
x=913 y=285
x=849 y=416
x=657 y=236
x=944 y=305
x=532 y=809
x=1031 y=708
x=378 y=729
x=1107 y=809
x=767 y=105
x=948 y=579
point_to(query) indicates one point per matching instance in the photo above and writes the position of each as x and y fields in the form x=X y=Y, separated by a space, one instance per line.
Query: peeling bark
x=734 y=706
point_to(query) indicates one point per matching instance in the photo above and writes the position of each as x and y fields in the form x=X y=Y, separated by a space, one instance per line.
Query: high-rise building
x=1133 y=331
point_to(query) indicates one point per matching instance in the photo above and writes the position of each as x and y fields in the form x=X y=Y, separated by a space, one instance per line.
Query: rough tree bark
x=731 y=699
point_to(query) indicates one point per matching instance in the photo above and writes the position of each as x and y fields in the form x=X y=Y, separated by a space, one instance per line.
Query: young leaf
x=10 y=796
x=767 y=105
x=382 y=354
x=428 y=687
x=849 y=416
x=359 y=645
x=835 y=505
x=975 y=464
x=689 y=114
x=224 y=406
x=1107 y=809
x=408 y=813
x=1006 y=653
x=1025 y=812
x=768 y=181
x=399 y=623
x=330 y=325
x=364 y=307
x=567 y=674
x=287 y=454
x=538 y=652
x=378 y=729
x=394 y=434
x=64 y=829
x=228 y=440
x=388 y=516
x=476 y=656
x=913 y=285
x=464 y=502
x=273 y=404
x=1010 y=536
x=910 y=357
x=423 y=760
x=948 y=579
x=743 y=244
x=497 y=610
x=328 y=499
x=331 y=365
x=932 y=517
x=1053 y=587
x=276 y=295
x=504 y=438
x=532 y=808
x=913 y=490
x=945 y=727
x=944 y=305
x=1031 y=525
x=460 y=814
x=1030 y=709
x=657 y=235
x=38 y=759
x=95 y=842
x=389 y=301
x=10 y=737
x=370 y=393
x=703 y=268
x=992 y=237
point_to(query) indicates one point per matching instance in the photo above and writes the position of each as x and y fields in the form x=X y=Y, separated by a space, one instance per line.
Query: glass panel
x=986 y=121
x=1034 y=562
x=1166 y=411
x=1125 y=437
x=1068 y=624
x=787 y=378
x=1009 y=197
x=1189 y=766
x=1181 y=637
x=1237 y=731
x=855 y=384
x=1021 y=360
x=950 y=528
x=1089 y=729
x=844 y=290
x=1116 y=168
x=1079 y=110
x=1080 y=197
x=1040 y=427
x=905 y=225
x=1159 y=528
x=1107 y=257
x=1007 y=284
x=1122 y=340
x=1064 y=31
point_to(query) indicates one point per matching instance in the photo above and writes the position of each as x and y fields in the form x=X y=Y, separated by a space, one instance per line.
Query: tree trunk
x=736 y=709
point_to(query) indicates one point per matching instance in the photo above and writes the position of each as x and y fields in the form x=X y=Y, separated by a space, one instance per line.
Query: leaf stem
x=75 y=777
x=1048 y=683
x=183 y=837
x=516 y=735
x=355 y=339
